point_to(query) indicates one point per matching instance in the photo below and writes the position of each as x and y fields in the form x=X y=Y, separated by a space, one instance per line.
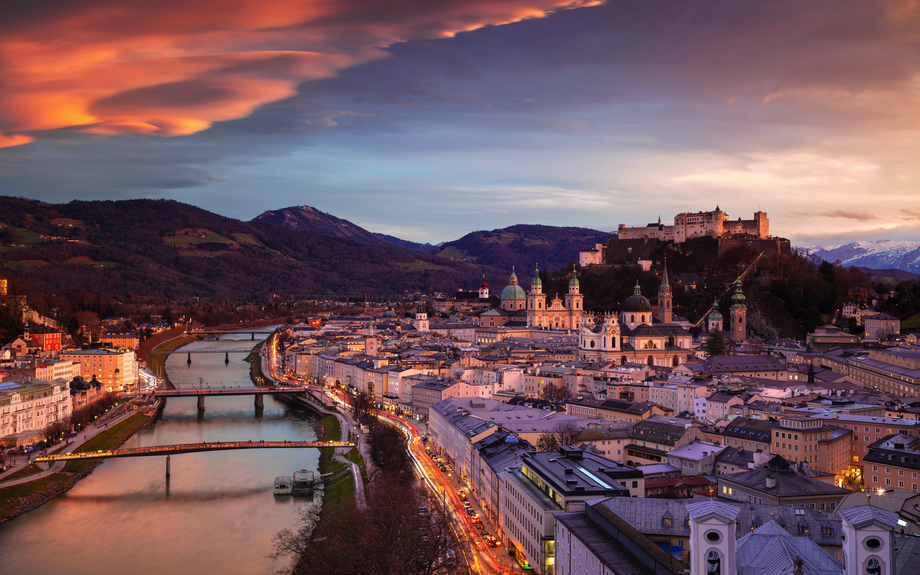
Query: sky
x=428 y=119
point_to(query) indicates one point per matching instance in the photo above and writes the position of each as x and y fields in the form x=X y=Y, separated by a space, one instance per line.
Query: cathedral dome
x=513 y=290
x=637 y=302
x=389 y=313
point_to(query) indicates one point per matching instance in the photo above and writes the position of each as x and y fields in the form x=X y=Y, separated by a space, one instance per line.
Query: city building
x=551 y=482
x=893 y=462
x=116 y=369
x=120 y=340
x=27 y=408
x=881 y=325
x=780 y=483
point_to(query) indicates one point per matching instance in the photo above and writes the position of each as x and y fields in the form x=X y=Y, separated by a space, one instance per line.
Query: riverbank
x=254 y=359
x=19 y=499
x=160 y=353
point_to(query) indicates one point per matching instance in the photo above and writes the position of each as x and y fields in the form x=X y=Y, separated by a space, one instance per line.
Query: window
x=714 y=564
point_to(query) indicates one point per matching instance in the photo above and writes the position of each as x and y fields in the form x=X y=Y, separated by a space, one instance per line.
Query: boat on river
x=283 y=485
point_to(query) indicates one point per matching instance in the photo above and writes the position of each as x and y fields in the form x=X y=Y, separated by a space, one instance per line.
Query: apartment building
x=116 y=369
x=27 y=408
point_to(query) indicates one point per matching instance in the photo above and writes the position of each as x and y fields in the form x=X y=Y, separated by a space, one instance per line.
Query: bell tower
x=574 y=301
x=483 y=289
x=715 y=318
x=713 y=538
x=665 y=313
x=868 y=540
x=421 y=318
x=738 y=314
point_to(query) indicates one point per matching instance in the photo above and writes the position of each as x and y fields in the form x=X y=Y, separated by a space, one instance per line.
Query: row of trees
x=392 y=536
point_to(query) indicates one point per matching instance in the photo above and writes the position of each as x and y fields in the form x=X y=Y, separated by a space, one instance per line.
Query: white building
x=27 y=409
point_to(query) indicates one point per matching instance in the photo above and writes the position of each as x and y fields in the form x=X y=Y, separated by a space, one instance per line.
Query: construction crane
x=742 y=277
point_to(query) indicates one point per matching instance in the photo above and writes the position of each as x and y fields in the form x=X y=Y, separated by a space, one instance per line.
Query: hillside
x=523 y=246
x=311 y=219
x=163 y=248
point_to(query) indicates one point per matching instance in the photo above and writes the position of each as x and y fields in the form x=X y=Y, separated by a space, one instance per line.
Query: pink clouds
x=174 y=67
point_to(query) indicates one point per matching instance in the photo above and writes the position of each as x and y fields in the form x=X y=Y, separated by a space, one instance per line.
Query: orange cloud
x=174 y=67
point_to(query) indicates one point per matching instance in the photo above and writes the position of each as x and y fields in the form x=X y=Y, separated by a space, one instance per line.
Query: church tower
x=421 y=318
x=574 y=301
x=664 y=296
x=713 y=538
x=738 y=314
x=715 y=318
x=536 y=292
x=868 y=540
x=483 y=289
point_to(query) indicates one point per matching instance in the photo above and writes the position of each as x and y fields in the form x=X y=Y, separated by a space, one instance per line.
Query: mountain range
x=877 y=255
x=164 y=248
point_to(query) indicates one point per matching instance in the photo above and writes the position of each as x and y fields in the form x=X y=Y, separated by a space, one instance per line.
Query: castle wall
x=769 y=247
x=689 y=225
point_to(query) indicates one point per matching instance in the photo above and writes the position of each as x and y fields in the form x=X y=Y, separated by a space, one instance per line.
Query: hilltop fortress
x=687 y=225
x=636 y=244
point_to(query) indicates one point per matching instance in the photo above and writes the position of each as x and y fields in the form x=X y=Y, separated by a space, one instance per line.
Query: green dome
x=389 y=313
x=714 y=315
x=574 y=281
x=536 y=278
x=513 y=292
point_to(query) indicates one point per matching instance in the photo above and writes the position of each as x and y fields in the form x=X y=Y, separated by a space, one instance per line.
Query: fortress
x=636 y=244
x=687 y=225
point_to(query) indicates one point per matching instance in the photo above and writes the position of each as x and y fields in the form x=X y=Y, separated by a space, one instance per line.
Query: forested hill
x=169 y=249
x=524 y=246
x=309 y=218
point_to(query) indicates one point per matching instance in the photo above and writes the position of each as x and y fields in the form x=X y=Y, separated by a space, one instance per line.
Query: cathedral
x=557 y=314
x=634 y=336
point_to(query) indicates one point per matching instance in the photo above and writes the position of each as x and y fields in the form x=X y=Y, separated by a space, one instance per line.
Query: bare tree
x=567 y=431
x=56 y=431
x=547 y=442
x=296 y=543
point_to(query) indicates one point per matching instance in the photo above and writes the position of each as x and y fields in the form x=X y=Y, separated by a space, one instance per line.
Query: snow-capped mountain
x=879 y=255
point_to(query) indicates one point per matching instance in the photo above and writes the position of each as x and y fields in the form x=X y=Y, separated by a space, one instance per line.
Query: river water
x=216 y=514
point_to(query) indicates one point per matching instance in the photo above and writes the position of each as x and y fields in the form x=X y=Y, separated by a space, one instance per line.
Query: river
x=216 y=514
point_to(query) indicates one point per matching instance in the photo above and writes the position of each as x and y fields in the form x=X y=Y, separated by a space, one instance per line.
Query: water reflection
x=216 y=513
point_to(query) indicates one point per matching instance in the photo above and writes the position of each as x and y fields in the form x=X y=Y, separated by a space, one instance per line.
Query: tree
x=547 y=442
x=551 y=392
x=56 y=431
x=295 y=543
x=362 y=405
x=567 y=432
x=715 y=345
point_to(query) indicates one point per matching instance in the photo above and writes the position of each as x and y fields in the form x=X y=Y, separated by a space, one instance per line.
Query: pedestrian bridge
x=191 y=448
x=203 y=392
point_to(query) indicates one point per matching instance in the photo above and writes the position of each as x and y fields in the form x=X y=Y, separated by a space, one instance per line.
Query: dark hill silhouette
x=309 y=218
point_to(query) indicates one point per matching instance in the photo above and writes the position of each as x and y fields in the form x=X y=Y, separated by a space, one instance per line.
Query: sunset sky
x=427 y=119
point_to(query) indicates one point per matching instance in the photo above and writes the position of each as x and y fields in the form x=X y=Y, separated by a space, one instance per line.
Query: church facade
x=633 y=336
x=557 y=314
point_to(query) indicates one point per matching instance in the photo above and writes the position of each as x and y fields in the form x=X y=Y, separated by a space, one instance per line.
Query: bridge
x=168 y=450
x=218 y=332
x=190 y=448
x=258 y=392
x=204 y=350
